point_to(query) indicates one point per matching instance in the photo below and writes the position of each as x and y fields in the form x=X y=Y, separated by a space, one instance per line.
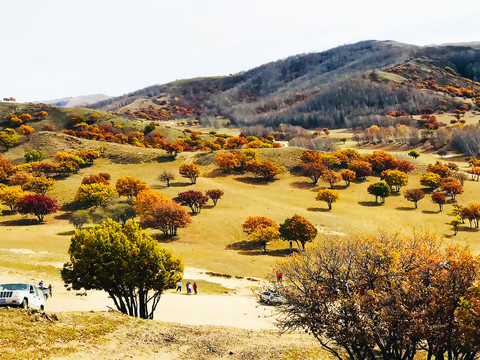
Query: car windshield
x=14 y=286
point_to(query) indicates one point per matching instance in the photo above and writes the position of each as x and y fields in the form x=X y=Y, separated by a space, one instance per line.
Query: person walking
x=195 y=288
x=179 y=287
x=189 y=288
x=50 y=290
x=279 y=276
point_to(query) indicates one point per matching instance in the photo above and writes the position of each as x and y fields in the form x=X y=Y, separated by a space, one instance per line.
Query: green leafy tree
x=414 y=154
x=79 y=218
x=33 y=155
x=379 y=190
x=125 y=262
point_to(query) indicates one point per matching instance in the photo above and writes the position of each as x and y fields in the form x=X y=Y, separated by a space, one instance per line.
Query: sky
x=58 y=48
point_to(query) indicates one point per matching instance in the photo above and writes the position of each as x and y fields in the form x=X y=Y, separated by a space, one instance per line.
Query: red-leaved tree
x=38 y=205
x=193 y=199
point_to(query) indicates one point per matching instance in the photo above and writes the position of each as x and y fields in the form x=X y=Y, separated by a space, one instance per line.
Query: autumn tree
x=96 y=194
x=253 y=223
x=455 y=222
x=329 y=196
x=193 y=199
x=405 y=166
x=430 y=180
x=381 y=160
x=386 y=296
x=130 y=186
x=440 y=169
x=166 y=176
x=20 y=179
x=311 y=156
x=332 y=177
x=361 y=168
x=39 y=185
x=89 y=155
x=452 y=188
x=166 y=216
x=189 y=171
x=146 y=199
x=313 y=170
x=379 y=190
x=215 y=195
x=8 y=138
x=102 y=178
x=347 y=176
x=26 y=131
x=298 y=229
x=414 y=195
x=228 y=161
x=125 y=262
x=264 y=235
x=394 y=178
x=9 y=196
x=439 y=198
x=38 y=205
x=266 y=170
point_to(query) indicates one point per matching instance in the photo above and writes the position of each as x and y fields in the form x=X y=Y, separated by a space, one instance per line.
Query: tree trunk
x=329 y=206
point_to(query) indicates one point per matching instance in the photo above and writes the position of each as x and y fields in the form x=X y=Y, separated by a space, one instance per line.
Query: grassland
x=28 y=335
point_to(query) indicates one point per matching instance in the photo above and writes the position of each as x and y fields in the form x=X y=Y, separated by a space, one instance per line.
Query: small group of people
x=189 y=287
x=41 y=285
x=279 y=276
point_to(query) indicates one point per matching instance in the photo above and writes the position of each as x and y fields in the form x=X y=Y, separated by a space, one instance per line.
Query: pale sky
x=59 y=48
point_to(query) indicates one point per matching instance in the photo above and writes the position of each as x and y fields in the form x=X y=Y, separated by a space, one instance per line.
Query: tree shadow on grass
x=317 y=209
x=64 y=216
x=254 y=181
x=303 y=185
x=217 y=173
x=244 y=245
x=161 y=238
x=276 y=253
x=430 y=212
x=369 y=203
x=66 y=233
x=405 y=208
x=21 y=222
x=180 y=184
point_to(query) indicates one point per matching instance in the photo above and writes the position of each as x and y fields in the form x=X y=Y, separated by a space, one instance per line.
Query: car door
x=35 y=297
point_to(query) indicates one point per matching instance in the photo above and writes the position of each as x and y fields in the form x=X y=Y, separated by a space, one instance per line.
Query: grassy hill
x=114 y=336
x=334 y=88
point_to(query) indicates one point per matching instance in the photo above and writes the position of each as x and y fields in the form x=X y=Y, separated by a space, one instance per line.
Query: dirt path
x=239 y=308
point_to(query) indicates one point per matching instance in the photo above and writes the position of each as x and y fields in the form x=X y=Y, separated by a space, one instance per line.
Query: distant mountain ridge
x=339 y=87
x=76 y=101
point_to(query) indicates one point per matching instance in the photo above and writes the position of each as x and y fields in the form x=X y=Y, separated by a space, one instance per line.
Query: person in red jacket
x=195 y=287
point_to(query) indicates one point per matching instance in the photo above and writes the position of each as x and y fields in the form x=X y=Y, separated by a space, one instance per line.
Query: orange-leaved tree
x=298 y=229
x=166 y=216
x=189 y=171
x=130 y=186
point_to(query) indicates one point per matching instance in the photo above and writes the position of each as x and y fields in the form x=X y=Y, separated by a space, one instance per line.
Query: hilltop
x=335 y=88
x=76 y=101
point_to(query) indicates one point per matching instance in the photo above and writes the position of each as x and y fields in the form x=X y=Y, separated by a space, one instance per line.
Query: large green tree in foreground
x=385 y=297
x=124 y=261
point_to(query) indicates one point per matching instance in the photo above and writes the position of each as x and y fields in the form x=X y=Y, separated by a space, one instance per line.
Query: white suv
x=22 y=295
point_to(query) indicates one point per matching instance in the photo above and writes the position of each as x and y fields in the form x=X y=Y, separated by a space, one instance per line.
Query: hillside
x=76 y=101
x=334 y=88
x=105 y=335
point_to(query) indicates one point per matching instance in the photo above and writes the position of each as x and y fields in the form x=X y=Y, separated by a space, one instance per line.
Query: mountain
x=76 y=101
x=340 y=87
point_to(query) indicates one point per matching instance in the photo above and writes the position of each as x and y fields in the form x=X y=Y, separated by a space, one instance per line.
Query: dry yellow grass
x=34 y=335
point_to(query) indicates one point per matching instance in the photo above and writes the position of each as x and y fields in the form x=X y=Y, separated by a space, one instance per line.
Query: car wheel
x=24 y=304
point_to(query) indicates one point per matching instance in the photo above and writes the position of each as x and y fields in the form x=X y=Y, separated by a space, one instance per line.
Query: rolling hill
x=334 y=88
x=76 y=101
